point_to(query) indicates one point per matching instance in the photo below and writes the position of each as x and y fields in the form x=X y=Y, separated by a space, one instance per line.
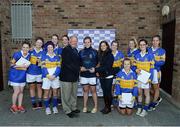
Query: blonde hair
x=135 y=41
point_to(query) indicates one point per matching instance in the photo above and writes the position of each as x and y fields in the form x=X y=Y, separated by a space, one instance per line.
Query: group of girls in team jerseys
x=117 y=73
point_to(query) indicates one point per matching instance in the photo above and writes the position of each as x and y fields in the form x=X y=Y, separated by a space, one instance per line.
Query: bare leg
x=129 y=111
x=85 y=94
x=123 y=111
x=147 y=96
x=15 y=94
x=94 y=95
x=20 y=97
x=156 y=92
x=32 y=90
x=39 y=89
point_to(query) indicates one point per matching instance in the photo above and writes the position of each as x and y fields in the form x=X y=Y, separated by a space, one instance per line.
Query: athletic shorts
x=90 y=81
x=156 y=77
x=33 y=78
x=47 y=84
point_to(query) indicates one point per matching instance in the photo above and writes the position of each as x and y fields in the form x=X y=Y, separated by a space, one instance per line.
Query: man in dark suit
x=69 y=77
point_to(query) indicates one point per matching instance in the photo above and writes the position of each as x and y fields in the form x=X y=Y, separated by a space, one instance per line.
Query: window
x=21 y=20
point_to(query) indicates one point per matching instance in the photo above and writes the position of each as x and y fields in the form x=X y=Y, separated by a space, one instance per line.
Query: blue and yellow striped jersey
x=131 y=54
x=126 y=83
x=18 y=75
x=145 y=62
x=35 y=59
x=159 y=56
x=48 y=62
x=118 y=58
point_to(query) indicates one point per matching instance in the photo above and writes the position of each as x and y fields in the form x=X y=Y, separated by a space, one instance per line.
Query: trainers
x=150 y=109
x=138 y=111
x=34 y=106
x=112 y=107
x=55 y=110
x=48 y=111
x=94 y=110
x=143 y=113
x=84 y=110
x=158 y=101
x=39 y=105
x=59 y=102
x=14 y=109
x=21 y=109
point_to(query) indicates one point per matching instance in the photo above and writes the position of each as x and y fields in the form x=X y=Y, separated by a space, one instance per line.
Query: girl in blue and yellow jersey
x=144 y=61
x=58 y=52
x=160 y=56
x=50 y=73
x=117 y=65
x=57 y=49
x=126 y=83
x=132 y=50
x=34 y=73
x=118 y=57
x=17 y=77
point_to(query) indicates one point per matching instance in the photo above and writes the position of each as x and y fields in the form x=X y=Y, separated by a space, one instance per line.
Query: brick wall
x=176 y=74
x=129 y=17
x=5 y=37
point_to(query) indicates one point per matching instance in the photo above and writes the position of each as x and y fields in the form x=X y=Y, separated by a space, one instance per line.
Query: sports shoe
x=84 y=110
x=48 y=111
x=143 y=113
x=59 y=102
x=94 y=110
x=14 y=109
x=39 y=106
x=158 y=101
x=34 y=106
x=112 y=107
x=150 y=109
x=138 y=111
x=55 y=110
x=21 y=109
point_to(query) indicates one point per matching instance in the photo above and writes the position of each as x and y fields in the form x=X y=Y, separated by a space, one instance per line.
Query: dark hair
x=114 y=41
x=107 y=50
x=50 y=43
x=27 y=43
x=65 y=36
x=143 y=40
x=55 y=35
x=40 y=38
x=126 y=59
x=87 y=37
x=156 y=36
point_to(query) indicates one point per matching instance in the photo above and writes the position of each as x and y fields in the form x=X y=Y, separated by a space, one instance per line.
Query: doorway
x=168 y=40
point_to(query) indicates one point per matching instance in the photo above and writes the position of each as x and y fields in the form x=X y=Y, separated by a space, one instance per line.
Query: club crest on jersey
x=131 y=76
x=146 y=59
x=90 y=56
